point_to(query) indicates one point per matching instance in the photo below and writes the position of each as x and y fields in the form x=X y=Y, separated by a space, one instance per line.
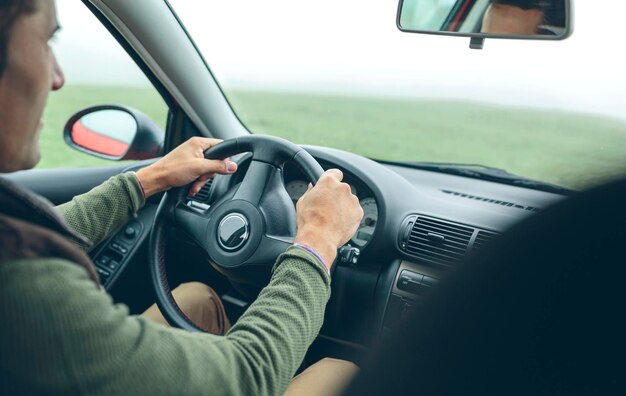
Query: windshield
x=340 y=74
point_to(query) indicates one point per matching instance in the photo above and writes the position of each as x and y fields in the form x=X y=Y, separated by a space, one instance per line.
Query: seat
x=539 y=312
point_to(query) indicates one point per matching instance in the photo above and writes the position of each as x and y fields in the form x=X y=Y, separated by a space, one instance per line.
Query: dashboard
x=417 y=226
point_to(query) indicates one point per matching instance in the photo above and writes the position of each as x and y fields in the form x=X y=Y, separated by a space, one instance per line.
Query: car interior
x=428 y=228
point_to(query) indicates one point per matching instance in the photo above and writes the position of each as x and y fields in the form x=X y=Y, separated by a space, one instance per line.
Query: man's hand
x=183 y=165
x=328 y=215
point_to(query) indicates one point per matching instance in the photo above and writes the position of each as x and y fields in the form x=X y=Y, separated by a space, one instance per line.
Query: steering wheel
x=245 y=230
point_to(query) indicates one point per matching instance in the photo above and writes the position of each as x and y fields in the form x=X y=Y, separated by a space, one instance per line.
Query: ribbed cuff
x=137 y=196
x=297 y=252
x=143 y=190
x=314 y=253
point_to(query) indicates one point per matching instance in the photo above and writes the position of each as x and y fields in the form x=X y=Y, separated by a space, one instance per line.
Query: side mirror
x=114 y=132
x=480 y=19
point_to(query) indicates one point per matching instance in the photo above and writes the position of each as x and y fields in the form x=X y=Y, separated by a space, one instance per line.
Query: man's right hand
x=328 y=215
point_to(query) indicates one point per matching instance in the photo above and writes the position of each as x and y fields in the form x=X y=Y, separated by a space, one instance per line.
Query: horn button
x=233 y=232
x=236 y=229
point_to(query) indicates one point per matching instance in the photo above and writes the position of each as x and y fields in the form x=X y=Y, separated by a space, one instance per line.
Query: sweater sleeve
x=60 y=333
x=100 y=212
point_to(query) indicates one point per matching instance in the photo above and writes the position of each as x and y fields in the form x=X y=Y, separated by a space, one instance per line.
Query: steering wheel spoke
x=270 y=248
x=193 y=223
x=257 y=177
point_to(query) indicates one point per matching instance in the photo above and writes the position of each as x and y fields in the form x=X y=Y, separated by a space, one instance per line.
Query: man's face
x=511 y=20
x=31 y=72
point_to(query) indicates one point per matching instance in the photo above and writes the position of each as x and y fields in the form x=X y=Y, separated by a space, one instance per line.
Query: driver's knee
x=201 y=304
x=192 y=296
x=326 y=377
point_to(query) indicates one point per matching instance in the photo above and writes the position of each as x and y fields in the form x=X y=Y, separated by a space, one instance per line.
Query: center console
x=412 y=282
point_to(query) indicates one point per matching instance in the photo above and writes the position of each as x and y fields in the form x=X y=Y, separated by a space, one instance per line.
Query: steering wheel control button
x=233 y=232
x=198 y=207
x=348 y=255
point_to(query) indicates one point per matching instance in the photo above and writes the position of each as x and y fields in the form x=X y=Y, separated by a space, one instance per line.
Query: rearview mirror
x=114 y=132
x=517 y=19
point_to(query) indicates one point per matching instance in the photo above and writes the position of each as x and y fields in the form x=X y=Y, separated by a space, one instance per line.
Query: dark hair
x=525 y=4
x=10 y=11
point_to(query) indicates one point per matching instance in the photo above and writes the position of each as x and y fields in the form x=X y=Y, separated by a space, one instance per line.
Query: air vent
x=483 y=238
x=436 y=241
x=491 y=201
x=204 y=193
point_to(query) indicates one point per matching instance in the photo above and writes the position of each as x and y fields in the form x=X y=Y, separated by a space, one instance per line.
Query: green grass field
x=570 y=149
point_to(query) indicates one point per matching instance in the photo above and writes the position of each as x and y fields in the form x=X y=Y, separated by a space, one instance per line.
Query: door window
x=97 y=71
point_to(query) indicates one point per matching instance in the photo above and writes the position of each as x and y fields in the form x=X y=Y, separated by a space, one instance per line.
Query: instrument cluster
x=296 y=185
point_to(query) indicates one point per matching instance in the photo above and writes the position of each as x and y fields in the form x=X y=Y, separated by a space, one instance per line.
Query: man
x=514 y=17
x=61 y=334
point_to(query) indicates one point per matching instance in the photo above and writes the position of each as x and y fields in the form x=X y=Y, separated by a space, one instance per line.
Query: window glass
x=340 y=74
x=97 y=71
x=427 y=14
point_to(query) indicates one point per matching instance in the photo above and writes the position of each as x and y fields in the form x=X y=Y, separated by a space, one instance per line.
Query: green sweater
x=61 y=334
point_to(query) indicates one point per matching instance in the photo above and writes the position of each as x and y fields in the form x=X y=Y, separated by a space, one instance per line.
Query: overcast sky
x=353 y=46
